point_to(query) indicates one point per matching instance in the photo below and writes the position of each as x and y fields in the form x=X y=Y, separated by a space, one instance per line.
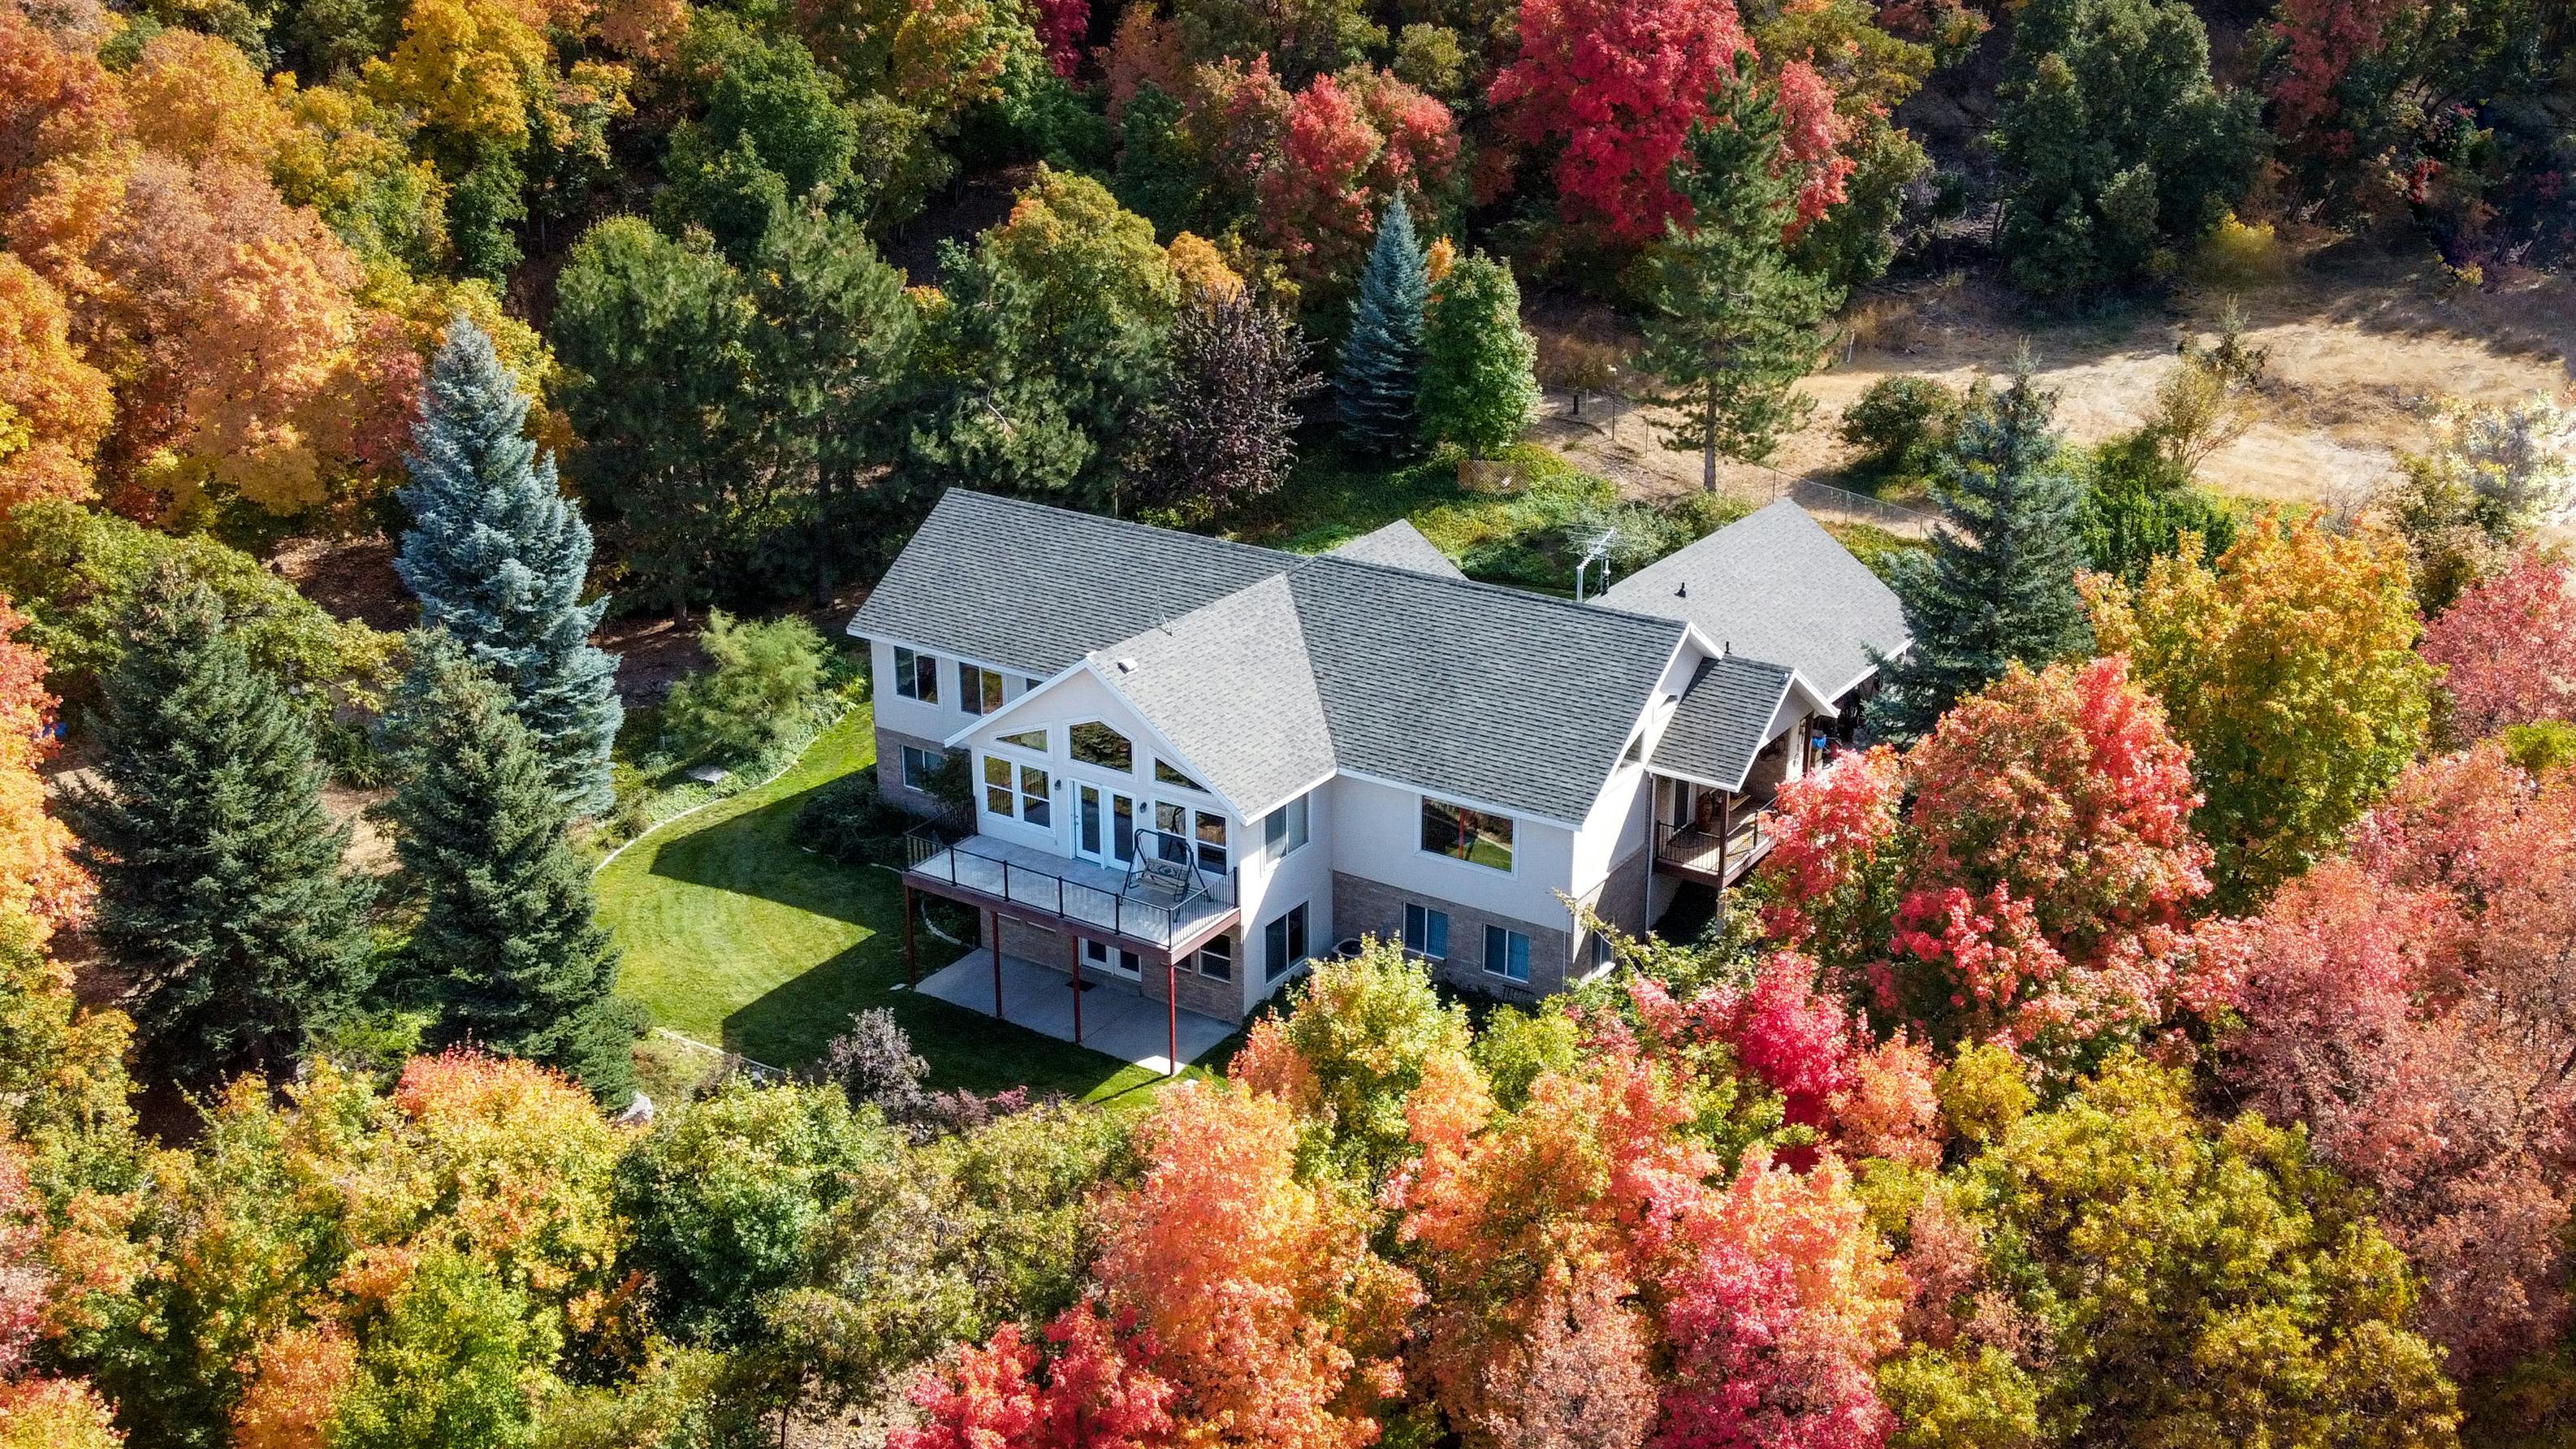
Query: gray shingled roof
x=1230 y=685
x=1776 y=586
x=1502 y=696
x=1723 y=720
x=1399 y=545
x=1034 y=588
x=1266 y=669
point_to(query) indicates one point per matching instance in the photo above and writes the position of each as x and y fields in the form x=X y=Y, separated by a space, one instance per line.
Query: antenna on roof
x=1598 y=552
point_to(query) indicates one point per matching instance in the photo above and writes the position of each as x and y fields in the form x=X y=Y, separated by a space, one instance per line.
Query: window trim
x=910 y=666
x=1510 y=835
x=1288 y=829
x=1280 y=960
x=986 y=695
x=931 y=760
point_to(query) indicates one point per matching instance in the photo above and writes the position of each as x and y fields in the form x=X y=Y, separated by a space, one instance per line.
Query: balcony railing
x=1706 y=852
x=1107 y=900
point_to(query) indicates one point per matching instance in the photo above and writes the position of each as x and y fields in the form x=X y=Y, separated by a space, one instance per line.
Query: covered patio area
x=1112 y=1016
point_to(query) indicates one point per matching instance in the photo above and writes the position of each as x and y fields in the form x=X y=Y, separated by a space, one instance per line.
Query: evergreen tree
x=506 y=950
x=1736 y=323
x=1224 y=429
x=1382 y=359
x=1999 y=583
x=1479 y=377
x=497 y=557
x=220 y=893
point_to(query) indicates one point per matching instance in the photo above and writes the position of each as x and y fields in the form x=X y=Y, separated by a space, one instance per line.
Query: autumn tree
x=1347 y=148
x=36 y=1411
x=1998 y=586
x=2411 y=1007
x=1618 y=87
x=221 y=891
x=1268 y=1308
x=499 y=559
x=1352 y=1049
x=2114 y=141
x=1085 y=1384
x=54 y=406
x=1735 y=324
x=2290 y=671
x=2489 y=476
x=2505 y=648
x=1479 y=386
x=1223 y=429
x=38 y=878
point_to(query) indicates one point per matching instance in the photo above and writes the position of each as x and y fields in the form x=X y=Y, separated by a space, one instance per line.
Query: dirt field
x=2358 y=346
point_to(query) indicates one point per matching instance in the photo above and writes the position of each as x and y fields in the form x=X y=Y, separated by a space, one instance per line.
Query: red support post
x=1073 y=954
x=911 y=957
x=1172 y=999
x=997 y=965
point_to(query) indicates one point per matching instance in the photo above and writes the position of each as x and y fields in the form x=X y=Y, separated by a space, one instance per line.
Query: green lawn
x=734 y=935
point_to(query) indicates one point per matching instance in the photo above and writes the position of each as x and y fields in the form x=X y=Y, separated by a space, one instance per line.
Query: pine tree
x=498 y=556
x=1479 y=366
x=1736 y=323
x=1382 y=359
x=221 y=895
x=1998 y=586
x=507 y=950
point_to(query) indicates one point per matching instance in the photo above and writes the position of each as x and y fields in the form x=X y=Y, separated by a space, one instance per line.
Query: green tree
x=833 y=345
x=506 y=951
x=221 y=894
x=2138 y=505
x=774 y=134
x=498 y=558
x=653 y=334
x=764 y=691
x=1997 y=586
x=448 y=1366
x=1381 y=372
x=1479 y=379
x=2116 y=147
x=1735 y=322
x=1353 y=1047
x=726 y=1194
x=2169 y=1282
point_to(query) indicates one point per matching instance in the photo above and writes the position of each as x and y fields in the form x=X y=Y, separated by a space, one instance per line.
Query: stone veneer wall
x=1371 y=908
x=890 y=783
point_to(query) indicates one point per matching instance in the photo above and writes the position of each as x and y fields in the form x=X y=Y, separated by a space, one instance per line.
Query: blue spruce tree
x=497 y=557
x=1382 y=359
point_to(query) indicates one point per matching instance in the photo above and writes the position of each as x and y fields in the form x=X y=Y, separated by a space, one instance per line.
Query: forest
x=432 y=432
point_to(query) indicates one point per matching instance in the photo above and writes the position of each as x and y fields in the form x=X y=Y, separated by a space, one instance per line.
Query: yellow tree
x=54 y=406
x=2290 y=670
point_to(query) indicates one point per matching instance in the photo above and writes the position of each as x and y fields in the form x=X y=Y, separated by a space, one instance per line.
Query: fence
x=1840 y=505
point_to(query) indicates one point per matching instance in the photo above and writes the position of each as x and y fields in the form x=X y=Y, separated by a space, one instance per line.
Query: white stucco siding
x=1377 y=835
x=901 y=715
x=1273 y=886
x=1615 y=828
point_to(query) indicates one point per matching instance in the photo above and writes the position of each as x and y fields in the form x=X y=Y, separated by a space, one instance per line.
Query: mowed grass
x=736 y=936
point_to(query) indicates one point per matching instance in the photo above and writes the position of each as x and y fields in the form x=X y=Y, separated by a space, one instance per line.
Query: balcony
x=1166 y=905
x=1718 y=857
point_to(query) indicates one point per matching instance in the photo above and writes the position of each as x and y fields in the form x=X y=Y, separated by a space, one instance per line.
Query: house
x=1196 y=764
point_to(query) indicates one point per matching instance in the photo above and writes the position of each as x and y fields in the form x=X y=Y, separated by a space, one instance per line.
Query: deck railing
x=1693 y=848
x=994 y=873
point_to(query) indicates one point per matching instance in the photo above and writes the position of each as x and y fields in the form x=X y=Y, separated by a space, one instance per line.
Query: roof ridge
x=1032 y=505
x=1463 y=582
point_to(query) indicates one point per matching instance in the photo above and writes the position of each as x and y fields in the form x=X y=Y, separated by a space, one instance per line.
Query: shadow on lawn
x=756 y=854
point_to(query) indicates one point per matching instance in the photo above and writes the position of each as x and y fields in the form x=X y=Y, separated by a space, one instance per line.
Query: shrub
x=849 y=822
x=2541 y=746
x=766 y=691
x=1901 y=424
x=874 y=1062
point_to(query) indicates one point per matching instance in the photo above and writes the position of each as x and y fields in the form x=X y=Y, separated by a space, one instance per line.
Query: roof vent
x=1126 y=666
x=1684 y=591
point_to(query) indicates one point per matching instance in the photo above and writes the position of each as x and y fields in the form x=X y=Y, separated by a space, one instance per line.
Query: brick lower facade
x=1370 y=908
x=1621 y=901
x=1048 y=947
x=890 y=783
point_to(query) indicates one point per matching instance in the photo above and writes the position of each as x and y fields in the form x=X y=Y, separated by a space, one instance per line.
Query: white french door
x=1116 y=961
x=1104 y=825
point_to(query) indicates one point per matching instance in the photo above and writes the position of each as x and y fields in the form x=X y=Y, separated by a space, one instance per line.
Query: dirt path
x=2357 y=348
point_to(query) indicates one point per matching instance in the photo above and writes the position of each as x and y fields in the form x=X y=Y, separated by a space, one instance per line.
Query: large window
x=979 y=691
x=1285 y=829
x=1426 y=932
x=916 y=676
x=1216 y=958
x=1181 y=828
x=1034 y=741
x=1506 y=954
x=1464 y=834
x=921 y=767
x=1097 y=744
x=1016 y=790
x=1283 y=943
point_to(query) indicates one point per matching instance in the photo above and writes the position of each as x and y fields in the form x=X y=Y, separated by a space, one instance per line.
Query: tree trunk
x=1708 y=448
x=823 y=494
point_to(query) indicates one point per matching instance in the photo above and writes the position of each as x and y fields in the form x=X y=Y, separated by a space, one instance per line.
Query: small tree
x=765 y=689
x=498 y=557
x=220 y=891
x=1381 y=373
x=1998 y=586
x=1735 y=324
x=506 y=950
x=1478 y=383
x=1223 y=428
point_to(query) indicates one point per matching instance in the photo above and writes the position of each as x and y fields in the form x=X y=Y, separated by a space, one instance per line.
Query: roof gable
x=1775 y=586
x=1398 y=545
x=1230 y=686
x=1723 y=720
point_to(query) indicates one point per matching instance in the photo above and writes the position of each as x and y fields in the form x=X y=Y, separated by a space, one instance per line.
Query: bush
x=1901 y=424
x=2139 y=503
x=849 y=822
x=2541 y=746
x=766 y=692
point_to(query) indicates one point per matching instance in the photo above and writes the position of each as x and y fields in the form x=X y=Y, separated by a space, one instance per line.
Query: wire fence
x=1840 y=505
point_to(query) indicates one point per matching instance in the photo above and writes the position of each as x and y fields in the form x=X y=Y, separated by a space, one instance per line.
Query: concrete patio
x=1117 y=1020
